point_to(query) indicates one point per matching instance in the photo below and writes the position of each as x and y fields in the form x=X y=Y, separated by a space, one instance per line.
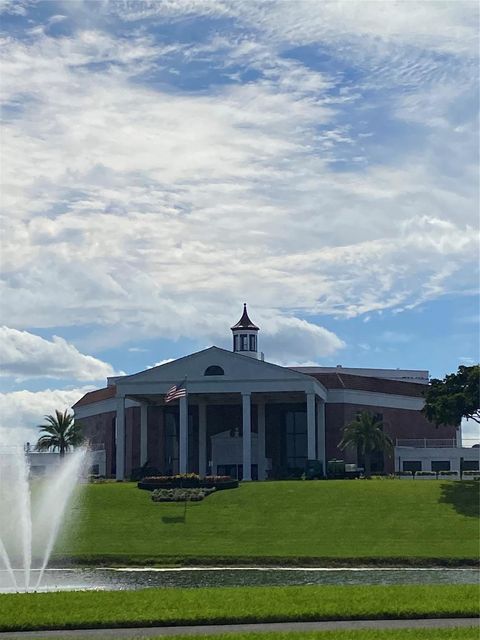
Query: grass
x=156 y=607
x=389 y=520
x=459 y=633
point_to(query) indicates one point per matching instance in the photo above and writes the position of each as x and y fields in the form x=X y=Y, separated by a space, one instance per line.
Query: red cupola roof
x=245 y=322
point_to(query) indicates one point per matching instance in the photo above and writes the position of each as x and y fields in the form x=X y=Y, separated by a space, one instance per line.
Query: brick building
x=243 y=416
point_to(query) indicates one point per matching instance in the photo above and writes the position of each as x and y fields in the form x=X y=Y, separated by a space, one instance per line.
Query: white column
x=143 y=433
x=321 y=450
x=247 y=437
x=120 y=439
x=202 y=439
x=261 y=441
x=311 y=453
x=183 y=439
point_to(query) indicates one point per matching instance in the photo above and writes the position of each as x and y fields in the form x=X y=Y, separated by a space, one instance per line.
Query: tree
x=455 y=397
x=60 y=432
x=366 y=434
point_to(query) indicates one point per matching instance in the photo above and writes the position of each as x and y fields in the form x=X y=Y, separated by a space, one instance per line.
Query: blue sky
x=166 y=161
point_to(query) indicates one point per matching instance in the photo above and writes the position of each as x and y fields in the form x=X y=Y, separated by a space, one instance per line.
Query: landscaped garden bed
x=181 y=495
x=187 y=481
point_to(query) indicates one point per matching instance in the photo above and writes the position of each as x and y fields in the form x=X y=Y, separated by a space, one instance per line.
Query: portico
x=250 y=399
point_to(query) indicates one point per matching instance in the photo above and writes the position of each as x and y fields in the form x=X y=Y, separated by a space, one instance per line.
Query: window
x=236 y=342
x=243 y=342
x=171 y=443
x=253 y=342
x=470 y=465
x=214 y=370
x=412 y=465
x=296 y=439
x=440 y=465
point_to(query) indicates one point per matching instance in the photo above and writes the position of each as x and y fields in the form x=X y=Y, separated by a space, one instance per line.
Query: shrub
x=405 y=473
x=181 y=495
x=448 y=473
x=426 y=473
x=187 y=480
x=472 y=473
x=140 y=472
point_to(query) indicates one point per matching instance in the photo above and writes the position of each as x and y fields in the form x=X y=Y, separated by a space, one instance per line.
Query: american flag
x=177 y=391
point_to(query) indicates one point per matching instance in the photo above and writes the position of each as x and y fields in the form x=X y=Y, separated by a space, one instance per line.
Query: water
x=132 y=579
x=30 y=525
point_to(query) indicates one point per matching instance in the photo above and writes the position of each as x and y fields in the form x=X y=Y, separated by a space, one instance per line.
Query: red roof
x=363 y=383
x=245 y=322
x=97 y=395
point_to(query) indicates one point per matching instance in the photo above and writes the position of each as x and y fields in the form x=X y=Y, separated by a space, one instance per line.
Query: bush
x=472 y=473
x=408 y=474
x=181 y=495
x=187 y=480
x=426 y=473
x=140 y=472
x=448 y=473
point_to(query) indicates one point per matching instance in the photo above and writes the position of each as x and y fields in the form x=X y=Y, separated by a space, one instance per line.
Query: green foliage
x=286 y=520
x=60 y=433
x=366 y=434
x=152 y=607
x=455 y=397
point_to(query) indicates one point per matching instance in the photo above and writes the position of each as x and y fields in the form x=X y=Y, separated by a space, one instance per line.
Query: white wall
x=426 y=455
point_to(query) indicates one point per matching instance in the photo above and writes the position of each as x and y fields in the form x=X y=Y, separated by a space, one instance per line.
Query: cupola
x=245 y=336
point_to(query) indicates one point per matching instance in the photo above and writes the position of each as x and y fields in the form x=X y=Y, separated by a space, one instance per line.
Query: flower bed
x=187 y=481
x=181 y=495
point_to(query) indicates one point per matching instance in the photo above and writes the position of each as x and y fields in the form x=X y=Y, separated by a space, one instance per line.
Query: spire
x=245 y=322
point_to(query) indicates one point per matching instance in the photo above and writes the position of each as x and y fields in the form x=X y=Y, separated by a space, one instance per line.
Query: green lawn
x=331 y=520
x=152 y=607
x=464 y=633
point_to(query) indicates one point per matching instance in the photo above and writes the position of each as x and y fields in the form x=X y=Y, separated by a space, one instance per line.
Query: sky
x=164 y=162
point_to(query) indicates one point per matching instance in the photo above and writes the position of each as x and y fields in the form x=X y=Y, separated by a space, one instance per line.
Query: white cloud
x=151 y=211
x=470 y=433
x=22 y=411
x=24 y=355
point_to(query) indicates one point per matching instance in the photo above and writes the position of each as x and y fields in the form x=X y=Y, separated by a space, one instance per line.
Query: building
x=239 y=415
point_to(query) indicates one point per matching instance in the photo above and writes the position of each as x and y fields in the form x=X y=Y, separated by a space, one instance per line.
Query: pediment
x=193 y=367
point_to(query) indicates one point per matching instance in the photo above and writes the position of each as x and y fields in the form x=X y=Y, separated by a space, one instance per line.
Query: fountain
x=30 y=521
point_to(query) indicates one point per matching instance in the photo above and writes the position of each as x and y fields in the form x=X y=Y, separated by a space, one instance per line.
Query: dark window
x=236 y=342
x=253 y=342
x=214 y=370
x=243 y=342
x=296 y=439
x=412 y=465
x=440 y=465
x=470 y=465
x=171 y=443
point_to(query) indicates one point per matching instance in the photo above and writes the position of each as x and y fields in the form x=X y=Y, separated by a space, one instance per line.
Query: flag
x=177 y=391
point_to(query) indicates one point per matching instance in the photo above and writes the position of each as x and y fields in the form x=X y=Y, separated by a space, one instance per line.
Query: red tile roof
x=97 y=395
x=364 y=383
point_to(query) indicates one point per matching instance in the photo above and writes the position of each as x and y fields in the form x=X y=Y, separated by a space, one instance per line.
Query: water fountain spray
x=29 y=526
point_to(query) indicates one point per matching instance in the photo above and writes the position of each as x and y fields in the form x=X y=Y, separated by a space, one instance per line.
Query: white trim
x=102 y=406
x=375 y=399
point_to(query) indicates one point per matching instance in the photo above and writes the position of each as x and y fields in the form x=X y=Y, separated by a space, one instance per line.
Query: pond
x=141 y=578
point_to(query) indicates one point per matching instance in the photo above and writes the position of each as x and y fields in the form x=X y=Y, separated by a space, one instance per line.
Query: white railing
x=427 y=443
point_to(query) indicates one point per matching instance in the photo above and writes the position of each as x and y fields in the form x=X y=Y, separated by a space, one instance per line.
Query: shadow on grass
x=463 y=496
x=173 y=519
x=181 y=518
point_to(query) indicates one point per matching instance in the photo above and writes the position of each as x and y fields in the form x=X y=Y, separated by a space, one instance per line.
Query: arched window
x=214 y=370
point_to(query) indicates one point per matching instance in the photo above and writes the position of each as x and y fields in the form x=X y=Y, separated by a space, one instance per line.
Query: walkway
x=203 y=630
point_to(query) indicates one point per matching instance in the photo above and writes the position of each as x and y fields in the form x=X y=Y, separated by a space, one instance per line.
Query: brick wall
x=397 y=423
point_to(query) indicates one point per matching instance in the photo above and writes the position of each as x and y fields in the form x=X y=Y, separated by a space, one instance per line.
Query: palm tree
x=60 y=432
x=366 y=433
